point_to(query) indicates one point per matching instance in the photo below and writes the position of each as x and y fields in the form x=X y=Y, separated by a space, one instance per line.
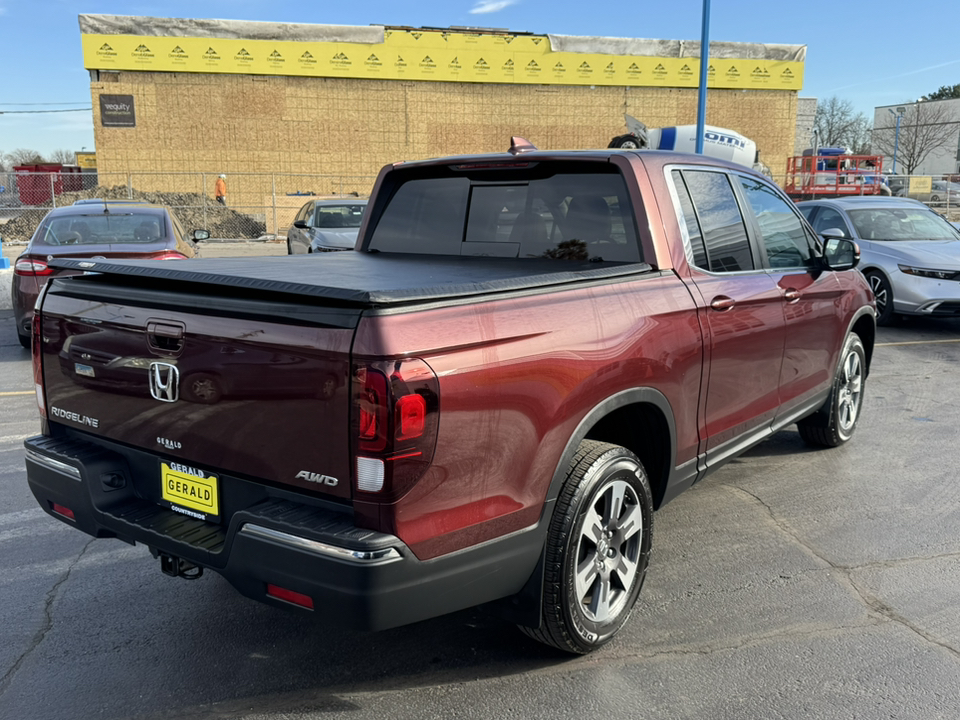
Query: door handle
x=791 y=295
x=722 y=303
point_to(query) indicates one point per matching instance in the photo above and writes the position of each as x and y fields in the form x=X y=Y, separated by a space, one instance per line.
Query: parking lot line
x=918 y=342
x=18 y=392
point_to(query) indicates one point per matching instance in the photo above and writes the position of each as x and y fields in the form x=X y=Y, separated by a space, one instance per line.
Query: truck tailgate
x=250 y=385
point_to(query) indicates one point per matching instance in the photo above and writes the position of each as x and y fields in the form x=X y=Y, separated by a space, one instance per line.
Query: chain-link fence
x=940 y=193
x=259 y=205
x=255 y=205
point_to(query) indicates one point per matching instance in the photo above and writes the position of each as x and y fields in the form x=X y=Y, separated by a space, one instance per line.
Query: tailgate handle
x=165 y=337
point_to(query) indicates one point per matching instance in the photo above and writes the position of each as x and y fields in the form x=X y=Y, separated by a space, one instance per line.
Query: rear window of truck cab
x=565 y=211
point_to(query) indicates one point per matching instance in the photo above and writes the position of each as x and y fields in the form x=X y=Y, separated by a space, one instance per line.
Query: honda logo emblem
x=164 y=382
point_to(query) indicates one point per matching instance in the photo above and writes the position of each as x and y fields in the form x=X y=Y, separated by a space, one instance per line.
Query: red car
x=95 y=230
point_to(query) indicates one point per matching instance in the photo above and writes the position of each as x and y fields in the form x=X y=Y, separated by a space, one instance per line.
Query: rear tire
x=597 y=550
x=835 y=422
x=24 y=340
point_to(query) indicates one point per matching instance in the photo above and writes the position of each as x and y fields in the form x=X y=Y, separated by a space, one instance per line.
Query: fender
x=631 y=396
x=524 y=608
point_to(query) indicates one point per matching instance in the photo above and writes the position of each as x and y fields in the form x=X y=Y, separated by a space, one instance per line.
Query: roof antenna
x=519 y=145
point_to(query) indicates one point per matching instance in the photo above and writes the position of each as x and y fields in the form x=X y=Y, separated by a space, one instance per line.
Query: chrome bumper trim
x=382 y=556
x=55 y=465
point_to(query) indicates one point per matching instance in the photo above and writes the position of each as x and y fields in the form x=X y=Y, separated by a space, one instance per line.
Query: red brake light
x=396 y=416
x=31 y=266
x=372 y=409
x=170 y=255
x=411 y=416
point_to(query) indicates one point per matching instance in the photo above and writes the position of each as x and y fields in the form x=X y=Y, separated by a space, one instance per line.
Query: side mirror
x=840 y=253
x=834 y=233
x=198 y=235
x=302 y=224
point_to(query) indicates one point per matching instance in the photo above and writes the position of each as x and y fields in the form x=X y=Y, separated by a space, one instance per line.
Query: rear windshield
x=569 y=211
x=100 y=228
x=338 y=216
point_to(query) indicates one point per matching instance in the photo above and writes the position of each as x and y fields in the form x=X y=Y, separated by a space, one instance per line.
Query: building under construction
x=211 y=96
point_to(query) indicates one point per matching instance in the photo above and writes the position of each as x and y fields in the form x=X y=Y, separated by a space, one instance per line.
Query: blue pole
x=896 y=143
x=704 y=62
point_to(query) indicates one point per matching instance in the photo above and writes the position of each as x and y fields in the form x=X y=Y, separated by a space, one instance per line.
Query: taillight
x=31 y=266
x=170 y=255
x=37 y=360
x=396 y=409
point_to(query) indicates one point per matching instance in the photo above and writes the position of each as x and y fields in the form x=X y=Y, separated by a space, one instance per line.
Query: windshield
x=338 y=216
x=901 y=224
x=103 y=229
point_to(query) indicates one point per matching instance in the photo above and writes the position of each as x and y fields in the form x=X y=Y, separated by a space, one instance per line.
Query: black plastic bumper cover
x=367 y=579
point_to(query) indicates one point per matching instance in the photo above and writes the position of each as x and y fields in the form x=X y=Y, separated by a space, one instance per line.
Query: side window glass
x=830 y=219
x=690 y=222
x=781 y=231
x=724 y=235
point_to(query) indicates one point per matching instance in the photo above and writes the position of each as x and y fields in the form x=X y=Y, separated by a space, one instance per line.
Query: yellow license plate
x=190 y=491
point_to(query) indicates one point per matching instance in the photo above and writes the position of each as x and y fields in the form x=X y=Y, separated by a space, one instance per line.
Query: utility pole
x=704 y=64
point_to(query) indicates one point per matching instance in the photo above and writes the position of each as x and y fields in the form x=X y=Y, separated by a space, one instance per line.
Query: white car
x=908 y=253
x=326 y=226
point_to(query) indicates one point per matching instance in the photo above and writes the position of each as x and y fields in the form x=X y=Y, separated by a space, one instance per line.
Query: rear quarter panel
x=516 y=377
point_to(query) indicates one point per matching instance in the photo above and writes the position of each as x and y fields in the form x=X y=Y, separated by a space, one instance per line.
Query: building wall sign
x=117 y=111
x=430 y=55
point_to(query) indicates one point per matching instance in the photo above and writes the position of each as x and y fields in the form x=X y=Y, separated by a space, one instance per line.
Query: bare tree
x=924 y=127
x=63 y=156
x=24 y=156
x=839 y=125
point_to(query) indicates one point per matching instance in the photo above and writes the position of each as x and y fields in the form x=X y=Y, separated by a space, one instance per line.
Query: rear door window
x=569 y=214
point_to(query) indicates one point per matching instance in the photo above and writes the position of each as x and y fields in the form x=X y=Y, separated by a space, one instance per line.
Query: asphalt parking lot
x=793 y=583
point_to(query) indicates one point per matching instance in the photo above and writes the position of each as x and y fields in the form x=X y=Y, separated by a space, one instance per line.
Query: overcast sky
x=872 y=53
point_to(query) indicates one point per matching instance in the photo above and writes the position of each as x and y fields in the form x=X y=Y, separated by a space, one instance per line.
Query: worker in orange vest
x=220 y=191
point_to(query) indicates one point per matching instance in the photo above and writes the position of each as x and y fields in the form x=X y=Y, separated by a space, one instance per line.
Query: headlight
x=927 y=273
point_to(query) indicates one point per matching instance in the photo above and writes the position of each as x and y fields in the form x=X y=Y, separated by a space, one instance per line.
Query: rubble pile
x=195 y=212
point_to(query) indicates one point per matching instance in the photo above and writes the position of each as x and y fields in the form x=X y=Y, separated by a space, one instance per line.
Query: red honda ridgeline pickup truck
x=526 y=354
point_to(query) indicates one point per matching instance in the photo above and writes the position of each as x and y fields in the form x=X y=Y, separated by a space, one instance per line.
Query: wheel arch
x=639 y=419
x=864 y=324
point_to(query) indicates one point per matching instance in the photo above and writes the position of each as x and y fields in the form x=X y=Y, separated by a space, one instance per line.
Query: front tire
x=202 y=388
x=24 y=340
x=598 y=548
x=836 y=421
x=883 y=292
x=625 y=142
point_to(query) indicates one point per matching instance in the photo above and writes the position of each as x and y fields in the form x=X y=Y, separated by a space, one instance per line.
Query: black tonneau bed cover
x=357 y=278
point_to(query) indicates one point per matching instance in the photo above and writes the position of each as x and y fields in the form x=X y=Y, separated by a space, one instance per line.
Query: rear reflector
x=61 y=510
x=304 y=601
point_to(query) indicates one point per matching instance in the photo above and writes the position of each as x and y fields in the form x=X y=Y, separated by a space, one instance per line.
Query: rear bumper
x=366 y=579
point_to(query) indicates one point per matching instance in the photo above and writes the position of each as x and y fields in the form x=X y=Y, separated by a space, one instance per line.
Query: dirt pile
x=194 y=211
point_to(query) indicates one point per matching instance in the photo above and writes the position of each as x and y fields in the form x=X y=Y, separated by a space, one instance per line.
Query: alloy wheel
x=608 y=551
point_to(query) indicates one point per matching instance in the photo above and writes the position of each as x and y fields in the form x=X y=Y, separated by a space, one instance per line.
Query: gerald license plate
x=190 y=491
